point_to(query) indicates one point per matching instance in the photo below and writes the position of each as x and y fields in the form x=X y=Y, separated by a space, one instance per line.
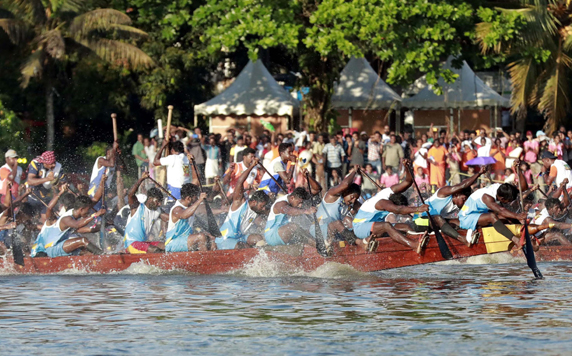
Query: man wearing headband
x=43 y=171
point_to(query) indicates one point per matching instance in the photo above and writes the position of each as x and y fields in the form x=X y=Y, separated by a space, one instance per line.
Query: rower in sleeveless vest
x=369 y=223
x=54 y=237
x=103 y=165
x=329 y=212
x=483 y=208
x=279 y=170
x=180 y=235
x=445 y=203
x=279 y=230
x=242 y=215
x=141 y=220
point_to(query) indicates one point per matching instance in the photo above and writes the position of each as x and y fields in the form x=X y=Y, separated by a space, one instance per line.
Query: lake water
x=446 y=309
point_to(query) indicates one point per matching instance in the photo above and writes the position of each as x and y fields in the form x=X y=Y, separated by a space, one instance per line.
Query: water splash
x=492 y=259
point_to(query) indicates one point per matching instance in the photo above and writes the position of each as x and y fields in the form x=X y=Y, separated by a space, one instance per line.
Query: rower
x=445 y=203
x=23 y=218
x=142 y=218
x=242 y=214
x=279 y=230
x=484 y=208
x=54 y=238
x=43 y=171
x=555 y=213
x=235 y=170
x=329 y=212
x=180 y=237
x=370 y=222
x=103 y=165
x=279 y=170
x=558 y=170
x=177 y=163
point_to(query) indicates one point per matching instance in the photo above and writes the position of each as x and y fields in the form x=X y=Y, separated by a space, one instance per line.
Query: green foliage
x=536 y=38
x=90 y=153
x=413 y=36
x=11 y=132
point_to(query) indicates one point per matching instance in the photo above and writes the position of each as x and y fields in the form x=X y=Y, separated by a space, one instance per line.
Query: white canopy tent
x=253 y=92
x=360 y=88
x=467 y=92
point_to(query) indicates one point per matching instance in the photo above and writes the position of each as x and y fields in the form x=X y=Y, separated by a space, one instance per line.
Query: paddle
x=102 y=232
x=443 y=248
x=17 y=251
x=228 y=202
x=370 y=178
x=527 y=248
x=274 y=179
x=320 y=243
x=211 y=222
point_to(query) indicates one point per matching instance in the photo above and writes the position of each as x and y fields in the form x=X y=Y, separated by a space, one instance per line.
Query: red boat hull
x=388 y=255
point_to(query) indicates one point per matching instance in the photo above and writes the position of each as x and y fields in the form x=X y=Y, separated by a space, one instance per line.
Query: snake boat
x=388 y=255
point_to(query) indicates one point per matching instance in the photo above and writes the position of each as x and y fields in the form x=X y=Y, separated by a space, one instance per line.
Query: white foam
x=492 y=259
x=264 y=266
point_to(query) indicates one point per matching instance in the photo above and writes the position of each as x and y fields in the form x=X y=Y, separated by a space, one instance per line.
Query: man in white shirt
x=484 y=143
x=178 y=172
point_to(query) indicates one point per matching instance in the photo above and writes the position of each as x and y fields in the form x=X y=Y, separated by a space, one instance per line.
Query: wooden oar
x=168 y=132
x=527 y=248
x=370 y=178
x=274 y=179
x=228 y=202
x=443 y=248
x=320 y=243
x=43 y=203
x=161 y=188
x=213 y=227
x=17 y=250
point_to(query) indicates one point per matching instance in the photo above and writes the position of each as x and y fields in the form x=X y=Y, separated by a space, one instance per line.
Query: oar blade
x=529 y=254
x=17 y=251
x=443 y=247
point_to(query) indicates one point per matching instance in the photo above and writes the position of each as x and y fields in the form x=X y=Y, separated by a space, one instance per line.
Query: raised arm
x=403 y=186
x=99 y=192
x=467 y=183
x=157 y=159
x=109 y=161
x=52 y=205
x=238 y=194
x=131 y=198
x=315 y=187
x=344 y=184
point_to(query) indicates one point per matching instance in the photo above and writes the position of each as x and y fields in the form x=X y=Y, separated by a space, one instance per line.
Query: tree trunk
x=50 y=116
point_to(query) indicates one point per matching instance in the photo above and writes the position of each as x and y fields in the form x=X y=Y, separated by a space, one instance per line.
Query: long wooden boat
x=387 y=256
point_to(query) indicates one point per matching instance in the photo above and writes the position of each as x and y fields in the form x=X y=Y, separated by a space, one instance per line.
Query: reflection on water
x=435 y=309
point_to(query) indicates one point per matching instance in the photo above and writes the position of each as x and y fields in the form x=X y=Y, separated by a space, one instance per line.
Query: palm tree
x=52 y=30
x=540 y=52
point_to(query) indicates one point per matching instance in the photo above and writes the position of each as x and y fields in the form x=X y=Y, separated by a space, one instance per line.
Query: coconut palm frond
x=53 y=43
x=116 y=51
x=555 y=101
x=32 y=9
x=100 y=19
x=523 y=75
x=16 y=30
x=32 y=67
x=567 y=35
x=62 y=6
